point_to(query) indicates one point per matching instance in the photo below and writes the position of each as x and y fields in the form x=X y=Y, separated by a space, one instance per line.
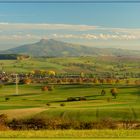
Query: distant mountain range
x=54 y=48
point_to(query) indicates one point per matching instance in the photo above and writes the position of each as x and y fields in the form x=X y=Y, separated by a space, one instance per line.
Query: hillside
x=54 y=48
x=96 y=65
x=13 y=56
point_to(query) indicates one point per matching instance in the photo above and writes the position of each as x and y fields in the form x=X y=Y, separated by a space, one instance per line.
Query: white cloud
x=19 y=37
x=44 y=26
x=69 y=36
x=23 y=31
x=96 y=36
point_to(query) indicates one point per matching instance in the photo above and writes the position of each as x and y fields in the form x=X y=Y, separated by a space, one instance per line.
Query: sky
x=114 y=25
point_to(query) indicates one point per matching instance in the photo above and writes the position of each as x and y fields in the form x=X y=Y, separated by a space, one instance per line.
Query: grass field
x=72 y=134
x=32 y=101
x=94 y=65
x=125 y=107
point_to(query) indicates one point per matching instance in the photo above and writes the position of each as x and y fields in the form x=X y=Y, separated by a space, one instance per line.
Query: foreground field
x=31 y=101
x=72 y=134
x=21 y=113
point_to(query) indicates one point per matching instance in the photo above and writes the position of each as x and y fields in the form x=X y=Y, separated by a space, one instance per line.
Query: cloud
x=20 y=37
x=44 y=26
x=97 y=37
x=36 y=31
x=135 y=31
x=16 y=37
x=118 y=37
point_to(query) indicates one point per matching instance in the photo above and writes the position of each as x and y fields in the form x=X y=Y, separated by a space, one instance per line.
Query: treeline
x=13 y=57
x=8 y=56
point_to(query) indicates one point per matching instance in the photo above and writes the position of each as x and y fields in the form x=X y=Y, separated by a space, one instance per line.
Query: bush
x=35 y=123
x=106 y=123
x=3 y=118
x=16 y=125
x=7 y=99
x=62 y=104
x=103 y=92
x=71 y=99
x=45 y=88
x=27 y=81
x=61 y=123
x=3 y=122
x=29 y=124
x=48 y=104
x=50 y=88
x=82 y=99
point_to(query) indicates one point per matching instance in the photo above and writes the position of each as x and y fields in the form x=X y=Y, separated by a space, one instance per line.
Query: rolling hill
x=54 y=48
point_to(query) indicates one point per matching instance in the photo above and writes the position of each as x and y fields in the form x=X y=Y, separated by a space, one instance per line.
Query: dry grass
x=72 y=134
x=21 y=113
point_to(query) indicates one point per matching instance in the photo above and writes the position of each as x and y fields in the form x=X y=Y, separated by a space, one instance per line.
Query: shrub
x=103 y=92
x=62 y=104
x=106 y=123
x=86 y=125
x=50 y=88
x=3 y=122
x=71 y=99
x=45 y=88
x=3 y=127
x=35 y=123
x=27 y=81
x=48 y=104
x=29 y=124
x=7 y=99
x=3 y=118
x=82 y=99
x=61 y=123
x=109 y=123
x=129 y=124
x=16 y=124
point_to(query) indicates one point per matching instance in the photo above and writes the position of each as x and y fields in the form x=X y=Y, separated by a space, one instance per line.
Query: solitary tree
x=114 y=92
x=44 y=88
x=103 y=92
x=27 y=81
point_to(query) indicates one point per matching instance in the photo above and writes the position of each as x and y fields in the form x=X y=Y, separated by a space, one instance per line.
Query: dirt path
x=21 y=113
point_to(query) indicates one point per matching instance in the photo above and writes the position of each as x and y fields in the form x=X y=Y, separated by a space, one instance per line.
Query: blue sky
x=99 y=25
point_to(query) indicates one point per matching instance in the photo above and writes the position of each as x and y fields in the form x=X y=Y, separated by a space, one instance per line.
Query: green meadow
x=94 y=65
x=33 y=102
x=124 y=107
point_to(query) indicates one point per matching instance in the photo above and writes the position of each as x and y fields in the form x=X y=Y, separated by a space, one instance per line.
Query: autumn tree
x=27 y=81
x=51 y=73
x=44 y=88
x=114 y=92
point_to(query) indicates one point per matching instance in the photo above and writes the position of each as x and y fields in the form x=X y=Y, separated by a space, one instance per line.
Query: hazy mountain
x=53 y=47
